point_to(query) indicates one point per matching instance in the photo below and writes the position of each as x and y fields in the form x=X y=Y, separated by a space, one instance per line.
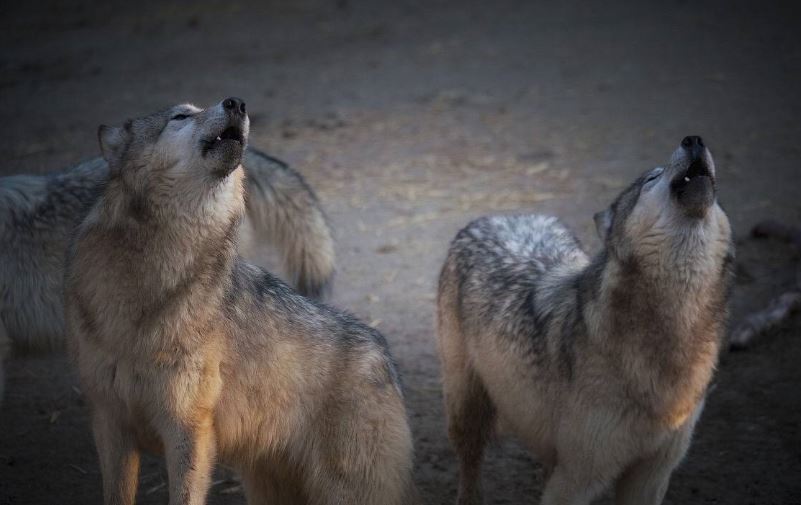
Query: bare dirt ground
x=409 y=119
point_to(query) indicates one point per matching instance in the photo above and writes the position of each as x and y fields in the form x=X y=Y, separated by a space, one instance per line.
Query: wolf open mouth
x=698 y=168
x=694 y=188
x=230 y=134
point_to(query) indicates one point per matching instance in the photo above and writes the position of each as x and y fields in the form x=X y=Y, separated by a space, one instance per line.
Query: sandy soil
x=409 y=119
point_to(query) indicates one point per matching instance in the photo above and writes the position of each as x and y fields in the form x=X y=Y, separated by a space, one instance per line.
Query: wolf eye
x=179 y=117
x=654 y=175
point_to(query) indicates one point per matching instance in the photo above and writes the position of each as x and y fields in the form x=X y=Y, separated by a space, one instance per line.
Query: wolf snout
x=234 y=105
x=694 y=185
x=698 y=158
x=694 y=145
x=226 y=130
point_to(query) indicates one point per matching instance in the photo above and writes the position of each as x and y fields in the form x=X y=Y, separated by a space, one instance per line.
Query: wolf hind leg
x=119 y=459
x=366 y=457
x=471 y=421
x=265 y=485
x=328 y=491
x=469 y=409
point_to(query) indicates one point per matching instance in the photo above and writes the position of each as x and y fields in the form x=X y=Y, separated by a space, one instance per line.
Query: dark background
x=410 y=118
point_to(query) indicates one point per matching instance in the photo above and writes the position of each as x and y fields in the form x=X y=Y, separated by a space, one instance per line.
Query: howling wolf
x=38 y=214
x=184 y=348
x=599 y=365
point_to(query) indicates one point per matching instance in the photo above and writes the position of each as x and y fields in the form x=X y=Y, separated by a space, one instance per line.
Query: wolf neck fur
x=201 y=202
x=177 y=249
x=661 y=331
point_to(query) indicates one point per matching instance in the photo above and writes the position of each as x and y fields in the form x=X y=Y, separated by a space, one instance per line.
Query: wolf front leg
x=119 y=458
x=646 y=481
x=190 y=452
x=567 y=487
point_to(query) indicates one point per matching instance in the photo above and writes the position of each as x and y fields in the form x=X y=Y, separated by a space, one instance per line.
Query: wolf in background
x=600 y=365
x=38 y=215
x=183 y=347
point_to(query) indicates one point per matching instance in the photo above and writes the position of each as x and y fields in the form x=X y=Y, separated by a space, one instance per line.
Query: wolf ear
x=112 y=142
x=603 y=223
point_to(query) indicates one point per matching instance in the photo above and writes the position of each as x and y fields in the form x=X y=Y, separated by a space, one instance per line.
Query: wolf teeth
x=686 y=179
x=218 y=138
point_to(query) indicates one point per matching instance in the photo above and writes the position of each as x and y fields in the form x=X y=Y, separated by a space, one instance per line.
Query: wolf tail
x=283 y=210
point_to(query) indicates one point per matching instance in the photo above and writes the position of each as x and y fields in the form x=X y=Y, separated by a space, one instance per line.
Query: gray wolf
x=184 y=348
x=38 y=215
x=600 y=365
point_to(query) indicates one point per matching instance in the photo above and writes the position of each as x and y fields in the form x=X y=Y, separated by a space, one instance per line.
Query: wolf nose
x=234 y=104
x=692 y=140
x=694 y=146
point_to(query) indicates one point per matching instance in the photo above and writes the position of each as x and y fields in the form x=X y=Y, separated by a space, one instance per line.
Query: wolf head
x=181 y=151
x=670 y=214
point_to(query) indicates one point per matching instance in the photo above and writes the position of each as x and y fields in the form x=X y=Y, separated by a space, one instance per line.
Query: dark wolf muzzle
x=232 y=135
x=694 y=187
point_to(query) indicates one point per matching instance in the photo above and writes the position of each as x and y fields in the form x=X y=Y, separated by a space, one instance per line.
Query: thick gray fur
x=38 y=215
x=184 y=348
x=600 y=365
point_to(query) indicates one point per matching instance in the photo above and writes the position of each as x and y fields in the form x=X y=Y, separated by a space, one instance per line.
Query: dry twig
x=780 y=308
